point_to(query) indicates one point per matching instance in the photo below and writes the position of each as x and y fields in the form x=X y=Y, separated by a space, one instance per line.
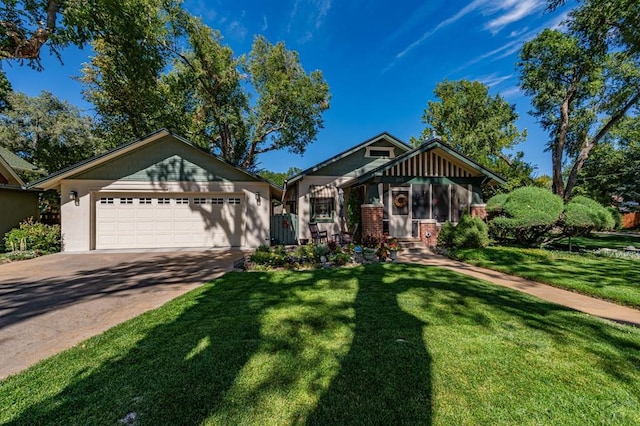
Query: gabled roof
x=16 y=162
x=9 y=163
x=384 y=135
x=54 y=179
x=428 y=146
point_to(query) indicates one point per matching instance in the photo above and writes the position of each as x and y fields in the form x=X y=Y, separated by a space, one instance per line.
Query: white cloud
x=237 y=30
x=265 y=24
x=511 y=92
x=493 y=79
x=515 y=10
x=322 y=9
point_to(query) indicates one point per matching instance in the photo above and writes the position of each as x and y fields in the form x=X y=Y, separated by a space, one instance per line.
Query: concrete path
x=51 y=303
x=579 y=302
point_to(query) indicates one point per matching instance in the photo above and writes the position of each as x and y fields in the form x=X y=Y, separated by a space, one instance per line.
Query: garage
x=129 y=220
x=161 y=192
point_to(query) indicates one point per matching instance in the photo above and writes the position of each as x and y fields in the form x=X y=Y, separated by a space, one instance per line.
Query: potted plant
x=393 y=248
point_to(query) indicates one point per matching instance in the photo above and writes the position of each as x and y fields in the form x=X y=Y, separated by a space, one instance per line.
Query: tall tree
x=206 y=95
x=611 y=174
x=28 y=25
x=479 y=125
x=50 y=133
x=583 y=82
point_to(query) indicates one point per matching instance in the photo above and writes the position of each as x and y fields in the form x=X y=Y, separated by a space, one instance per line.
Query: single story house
x=16 y=202
x=161 y=191
x=403 y=191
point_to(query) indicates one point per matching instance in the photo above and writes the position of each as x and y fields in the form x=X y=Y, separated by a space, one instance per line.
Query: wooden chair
x=316 y=234
x=347 y=237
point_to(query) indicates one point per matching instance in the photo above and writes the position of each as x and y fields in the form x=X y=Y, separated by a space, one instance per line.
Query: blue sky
x=382 y=60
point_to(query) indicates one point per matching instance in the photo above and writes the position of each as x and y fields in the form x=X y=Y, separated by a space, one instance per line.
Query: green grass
x=381 y=344
x=597 y=241
x=617 y=280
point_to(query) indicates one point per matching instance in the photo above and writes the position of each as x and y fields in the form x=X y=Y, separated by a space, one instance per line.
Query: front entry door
x=400 y=212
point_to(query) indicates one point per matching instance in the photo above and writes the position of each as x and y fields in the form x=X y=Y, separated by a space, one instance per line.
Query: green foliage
x=616 y=216
x=479 y=125
x=583 y=81
x=354 y=213
x=445 y=236
x=236 y=107
x=278 y=178
x=470 y=232
x=36 y=236
x=320 y=250
x=525 y=216
x=50 y=133
x=495 y=204
x=583 y=215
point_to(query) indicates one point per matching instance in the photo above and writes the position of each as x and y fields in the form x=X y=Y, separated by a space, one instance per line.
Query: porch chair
x=347 y=237
x=316 y=234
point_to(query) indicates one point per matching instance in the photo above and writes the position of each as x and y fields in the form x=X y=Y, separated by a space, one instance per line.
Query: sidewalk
x=579 y=302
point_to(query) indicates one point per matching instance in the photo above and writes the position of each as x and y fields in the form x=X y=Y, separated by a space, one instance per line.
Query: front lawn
x=616 y=241
x=376 y=344
x=617 y=280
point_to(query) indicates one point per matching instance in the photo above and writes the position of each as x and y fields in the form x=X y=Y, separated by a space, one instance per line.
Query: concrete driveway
x=51 y=303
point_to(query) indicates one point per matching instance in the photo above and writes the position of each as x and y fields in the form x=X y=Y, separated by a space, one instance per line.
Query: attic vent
x=379 y=152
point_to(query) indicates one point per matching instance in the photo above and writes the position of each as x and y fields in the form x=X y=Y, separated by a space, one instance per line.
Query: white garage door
x=148 y=220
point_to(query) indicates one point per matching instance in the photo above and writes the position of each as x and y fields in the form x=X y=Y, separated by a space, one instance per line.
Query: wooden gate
x=284 y=229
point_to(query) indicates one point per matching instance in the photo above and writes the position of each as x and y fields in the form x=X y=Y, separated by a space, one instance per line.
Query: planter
x=369 y=255
x=393 y=255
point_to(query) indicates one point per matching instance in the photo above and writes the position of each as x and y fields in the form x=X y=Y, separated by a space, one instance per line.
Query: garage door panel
x=147 y=221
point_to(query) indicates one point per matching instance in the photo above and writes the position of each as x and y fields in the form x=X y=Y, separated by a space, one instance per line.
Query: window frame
x=315 y=202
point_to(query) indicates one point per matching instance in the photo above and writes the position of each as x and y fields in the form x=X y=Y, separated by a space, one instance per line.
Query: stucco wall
x=78 y=217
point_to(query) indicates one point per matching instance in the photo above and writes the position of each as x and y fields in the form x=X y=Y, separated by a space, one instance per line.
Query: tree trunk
x=558 y=147
x=588 y=145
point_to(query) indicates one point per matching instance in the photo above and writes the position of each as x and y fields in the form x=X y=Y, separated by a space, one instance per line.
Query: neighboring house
x=404 y=192
x=16 y=202
x=161 y=191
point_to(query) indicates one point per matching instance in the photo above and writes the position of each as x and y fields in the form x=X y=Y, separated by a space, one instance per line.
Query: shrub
x=471 y=232
x=583 y=215
x=495 y=205
x=370 y=242
x=32 y=235
x=320 y=250
x=525 y=215
x=341 y=259
x=616 y=216
x=445 y=236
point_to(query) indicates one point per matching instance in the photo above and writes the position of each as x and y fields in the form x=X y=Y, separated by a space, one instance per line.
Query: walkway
x=579 y=302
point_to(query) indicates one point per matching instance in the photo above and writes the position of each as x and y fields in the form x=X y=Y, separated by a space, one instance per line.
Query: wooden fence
x=631 y=220
x=284 y=229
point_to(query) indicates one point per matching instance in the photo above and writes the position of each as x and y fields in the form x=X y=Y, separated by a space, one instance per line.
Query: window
x=199 y=201
x=377 y=151
x=164 y=200
x=235 y=201
x=440 y=202
x=106 y=200
x=144 y=200
x=217 y=200
x=182 y=201
x=322 y=209
x=126 y=200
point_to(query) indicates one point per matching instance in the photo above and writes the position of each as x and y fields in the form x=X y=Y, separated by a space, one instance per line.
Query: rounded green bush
x=445 y=236
x=586 y=214
x=532 y=206
x=495 y=204
x=471 y=232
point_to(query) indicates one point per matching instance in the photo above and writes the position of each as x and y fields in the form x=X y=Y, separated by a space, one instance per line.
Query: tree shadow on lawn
x=317 y=347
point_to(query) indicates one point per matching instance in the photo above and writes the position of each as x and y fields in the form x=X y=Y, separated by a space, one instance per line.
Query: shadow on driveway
x=50 y=303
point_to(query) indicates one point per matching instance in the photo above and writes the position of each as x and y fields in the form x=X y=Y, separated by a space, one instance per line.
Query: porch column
x=479 y=210
x=371 y=215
